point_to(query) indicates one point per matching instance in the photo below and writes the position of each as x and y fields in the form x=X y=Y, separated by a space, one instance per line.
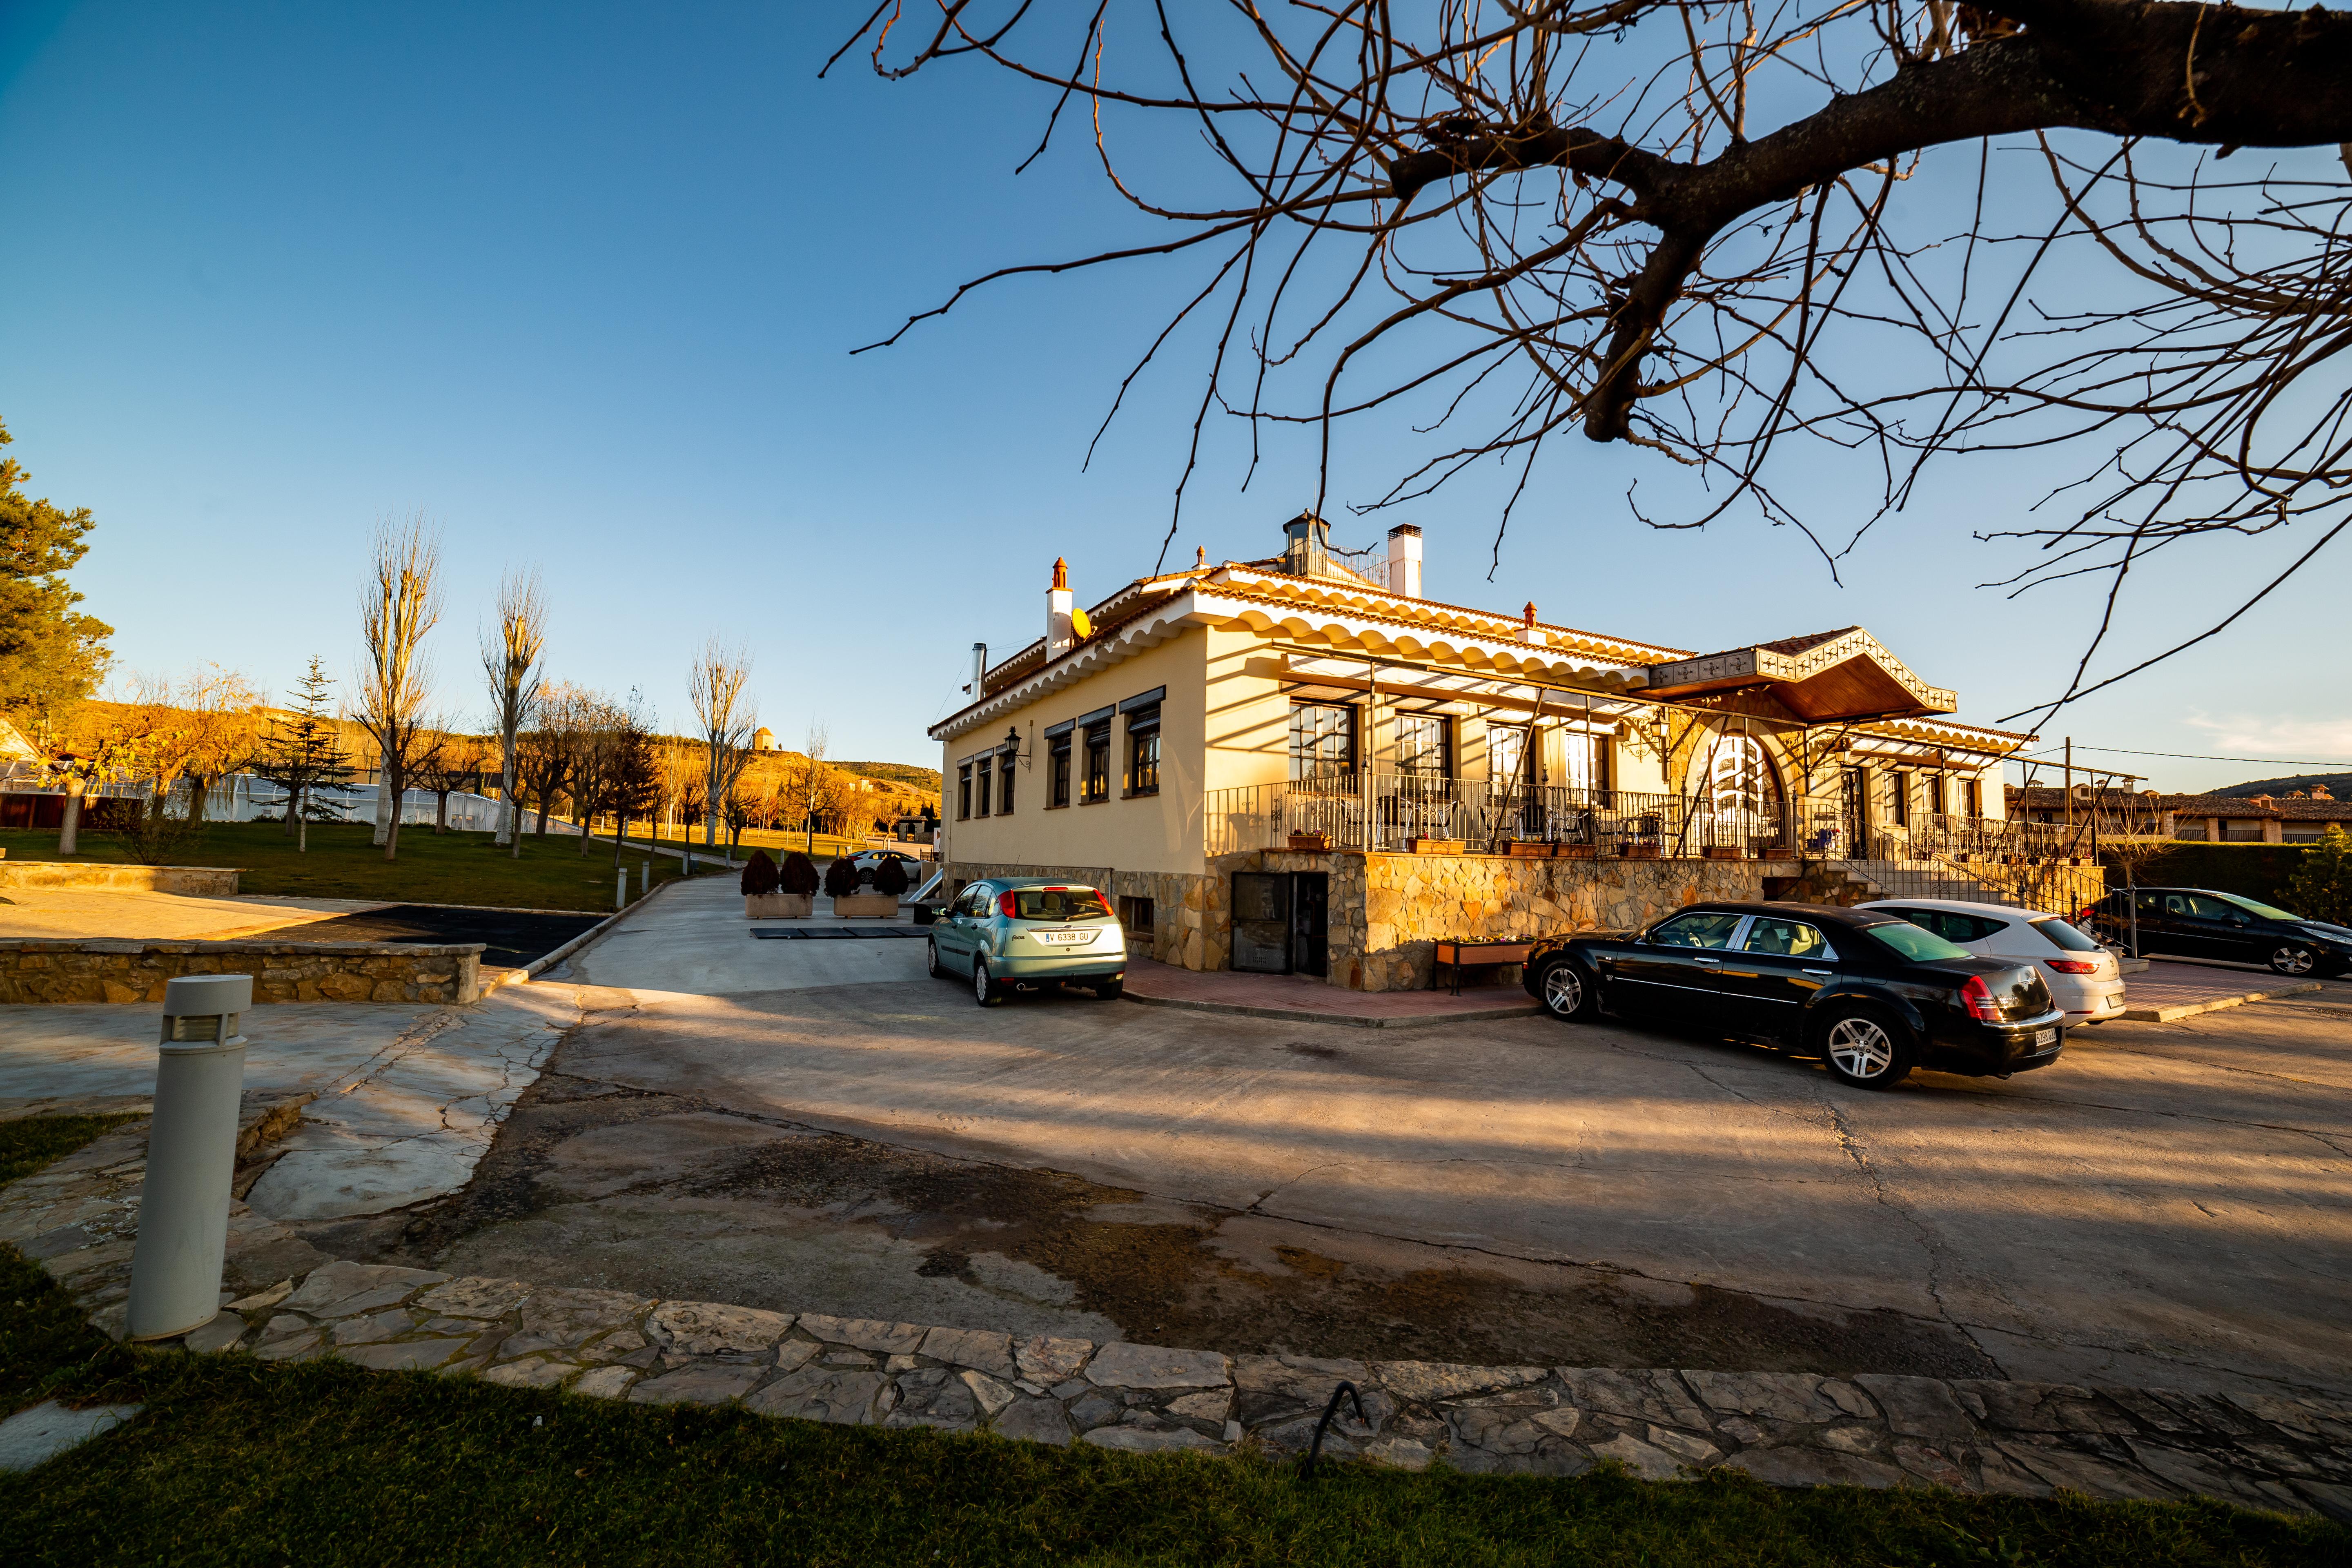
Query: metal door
x=1262 y=923
x=1310 y=922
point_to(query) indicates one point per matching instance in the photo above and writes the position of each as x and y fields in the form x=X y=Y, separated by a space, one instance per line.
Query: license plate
x=1064 y=938
x=2045 y=1036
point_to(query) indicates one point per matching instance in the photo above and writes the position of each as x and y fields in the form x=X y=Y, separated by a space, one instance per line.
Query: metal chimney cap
x=1405 y=530
x=202 y=995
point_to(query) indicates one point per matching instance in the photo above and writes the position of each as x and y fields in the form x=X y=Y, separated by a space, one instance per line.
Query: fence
x=1388 y=811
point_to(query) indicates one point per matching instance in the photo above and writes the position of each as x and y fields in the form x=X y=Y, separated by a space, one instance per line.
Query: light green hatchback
x=1029 y=934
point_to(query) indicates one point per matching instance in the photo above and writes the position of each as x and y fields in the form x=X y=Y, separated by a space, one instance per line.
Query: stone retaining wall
x=201 y=881
x=2289 y=1451
x=62 y=972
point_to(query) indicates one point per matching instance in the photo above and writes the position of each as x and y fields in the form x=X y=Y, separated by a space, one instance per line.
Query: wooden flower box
x=1723 y=852
x=1433 y=845
x=1574 y=851
x=1642 y=852
x=1311 y=842
x=1526 y=849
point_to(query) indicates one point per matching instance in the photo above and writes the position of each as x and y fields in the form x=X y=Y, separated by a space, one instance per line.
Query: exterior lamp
x=175 y=1265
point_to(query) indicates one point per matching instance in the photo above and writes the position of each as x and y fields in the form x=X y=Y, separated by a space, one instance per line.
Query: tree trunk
x=387 y=799
x=620 y=835
x=395 y=786
x=199 y=786
x=70 y=831
x=441 y=811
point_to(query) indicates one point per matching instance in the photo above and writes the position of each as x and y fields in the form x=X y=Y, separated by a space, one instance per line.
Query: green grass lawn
x=237 y=1462
x=443 y=869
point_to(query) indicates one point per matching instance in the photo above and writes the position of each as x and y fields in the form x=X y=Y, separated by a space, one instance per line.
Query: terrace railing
x=1389 y=811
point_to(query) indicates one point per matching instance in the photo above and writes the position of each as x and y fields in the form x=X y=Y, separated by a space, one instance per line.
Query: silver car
x=2084 y=978
x=1029 y=934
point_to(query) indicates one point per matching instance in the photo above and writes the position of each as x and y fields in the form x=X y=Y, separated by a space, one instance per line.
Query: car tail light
x=1004 y=906
x=2071 y=965
x=1979 y=999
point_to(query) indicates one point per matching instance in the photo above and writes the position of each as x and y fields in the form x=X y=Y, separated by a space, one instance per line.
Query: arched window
x=1741 y=779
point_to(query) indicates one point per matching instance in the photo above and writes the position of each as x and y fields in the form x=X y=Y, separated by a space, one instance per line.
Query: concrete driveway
x=800 y=1123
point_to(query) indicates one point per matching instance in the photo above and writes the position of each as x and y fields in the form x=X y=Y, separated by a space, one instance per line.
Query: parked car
x=867 y=860
x=2084 y=977
x=2197 y=922
x=1023 y=934
x=1872 y=995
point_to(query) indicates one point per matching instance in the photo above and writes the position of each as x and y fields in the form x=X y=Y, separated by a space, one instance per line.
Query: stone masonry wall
x=1189 y=925
x=97 y=971
x=196 y=882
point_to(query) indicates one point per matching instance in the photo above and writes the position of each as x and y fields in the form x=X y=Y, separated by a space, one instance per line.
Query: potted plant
x=1434 y=846
x=1310 y=842
x=1723 y=852
x=759 y=884
x=795 y=891
x=847 y=884
x=1530 y=849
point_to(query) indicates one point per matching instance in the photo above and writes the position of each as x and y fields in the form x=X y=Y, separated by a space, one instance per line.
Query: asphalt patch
x=512 y=938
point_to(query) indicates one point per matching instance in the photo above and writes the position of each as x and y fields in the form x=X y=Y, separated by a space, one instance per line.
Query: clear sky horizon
x=580 y=286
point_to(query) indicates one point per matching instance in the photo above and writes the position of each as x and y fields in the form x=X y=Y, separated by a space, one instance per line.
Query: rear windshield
x=2064 y=936
x=1907 y=940
x=1059 y=904
x=2268 y=912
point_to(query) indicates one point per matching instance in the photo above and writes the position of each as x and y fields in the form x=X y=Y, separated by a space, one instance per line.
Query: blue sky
x=580 y=285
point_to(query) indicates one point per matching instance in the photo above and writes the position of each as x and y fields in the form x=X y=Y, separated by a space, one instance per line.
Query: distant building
x=763 y=739
x=2295 y=818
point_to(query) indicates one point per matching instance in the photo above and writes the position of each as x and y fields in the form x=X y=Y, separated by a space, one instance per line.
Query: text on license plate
x=1064 y=938
x=2045 y=1036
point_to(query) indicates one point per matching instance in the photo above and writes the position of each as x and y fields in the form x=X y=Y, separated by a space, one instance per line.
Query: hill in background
x=924 y=779
x=2338 y=785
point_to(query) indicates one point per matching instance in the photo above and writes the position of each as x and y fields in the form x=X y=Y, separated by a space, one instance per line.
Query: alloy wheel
x=979 y=985
x=2292 y=959
x=1563 y=990
x=1859 y=1047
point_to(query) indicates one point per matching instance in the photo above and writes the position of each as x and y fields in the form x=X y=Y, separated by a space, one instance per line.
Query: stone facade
x=1388 y=912
x=197 y=881
x=99 y=971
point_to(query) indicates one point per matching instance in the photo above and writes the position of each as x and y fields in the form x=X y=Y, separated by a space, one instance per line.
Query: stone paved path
x=2260 y=1450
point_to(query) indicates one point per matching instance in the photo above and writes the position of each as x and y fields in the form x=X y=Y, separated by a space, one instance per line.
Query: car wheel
x=1110 y=990
x=1566 y=992
x=2294 y=958
x=1867 y=1050
x=939 y=970
x=984 y=991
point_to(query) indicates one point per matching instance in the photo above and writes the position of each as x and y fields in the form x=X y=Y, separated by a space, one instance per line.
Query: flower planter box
x=1642 y=852
x=1310 y=842
x=776 y=907
x=1573 y=851
x=865 y=906
x=1723 y=852
x=1434 y=846
x=1523 y=851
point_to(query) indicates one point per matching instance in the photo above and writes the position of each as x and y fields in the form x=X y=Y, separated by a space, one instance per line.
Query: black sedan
x=2197 y=922
x=1872 y=995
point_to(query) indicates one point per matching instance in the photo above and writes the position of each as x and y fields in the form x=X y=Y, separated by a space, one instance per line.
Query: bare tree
x=445 y=761
x=1671 y=222
x=808 y=782
x=726 y=717
x=398 y=605
x=510 y=660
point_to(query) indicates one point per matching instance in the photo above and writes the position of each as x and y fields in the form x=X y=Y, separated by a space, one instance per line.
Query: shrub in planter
x=890 y=877
x=796 y=876
x=759 y=877
x=841 y=878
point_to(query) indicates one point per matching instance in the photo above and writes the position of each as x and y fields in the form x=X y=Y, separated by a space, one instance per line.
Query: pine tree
x=51 y=655
x=2321 y=890
x=304 y=753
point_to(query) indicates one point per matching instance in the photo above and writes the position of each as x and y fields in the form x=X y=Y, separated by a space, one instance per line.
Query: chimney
x=1058 y=640
x=1528 y=632
x=1404 y=560
x=979 y=669
x=1306 y=543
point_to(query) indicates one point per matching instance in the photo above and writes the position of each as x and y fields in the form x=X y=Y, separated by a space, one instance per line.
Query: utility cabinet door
x=1310 y=922
x=1262 y=923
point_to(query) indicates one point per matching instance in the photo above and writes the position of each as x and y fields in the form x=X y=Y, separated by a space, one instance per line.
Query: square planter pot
x=866 y=906
x=1522 y=850
x=1573 y=852
x=1433 y=845
x=776 y=907
x=1723 y=852
x=1310 y=842
x=1642 y=852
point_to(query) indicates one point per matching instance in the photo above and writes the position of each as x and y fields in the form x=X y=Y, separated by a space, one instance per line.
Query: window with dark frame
x=980 y=780
x=1143 y=751
x=1094 y=788
x=1057 y=770
x=963 y=791
x=1004 y=784
x=1971 y=797
x=1424 y=743
x=1322 y=740
x=1136 y=915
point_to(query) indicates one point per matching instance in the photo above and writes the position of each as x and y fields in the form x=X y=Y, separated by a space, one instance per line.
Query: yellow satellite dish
x=1079 y=625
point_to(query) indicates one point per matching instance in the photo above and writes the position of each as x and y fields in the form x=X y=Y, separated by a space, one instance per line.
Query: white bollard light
x=621 y=890
x=175 y=1266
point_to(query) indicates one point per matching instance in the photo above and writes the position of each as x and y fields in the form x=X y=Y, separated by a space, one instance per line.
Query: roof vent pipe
x=979 y=669
x=1404 y=560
